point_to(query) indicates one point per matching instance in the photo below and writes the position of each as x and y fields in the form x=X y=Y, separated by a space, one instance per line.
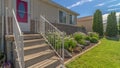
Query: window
x=72 y=19
x=62 y=17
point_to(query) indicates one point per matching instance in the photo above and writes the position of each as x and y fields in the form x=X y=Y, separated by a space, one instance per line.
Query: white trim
x=24 y=26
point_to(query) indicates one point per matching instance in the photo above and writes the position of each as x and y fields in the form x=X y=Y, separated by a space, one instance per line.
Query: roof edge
x=62 y=7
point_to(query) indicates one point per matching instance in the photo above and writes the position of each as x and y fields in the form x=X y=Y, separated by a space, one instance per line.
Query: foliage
x=98 y=23
x=78 y=36
x=105 y=55
x=1 y=55
x=119 y=25
x=94 y=40
x=69 y=43
x=92 y=37
x=55 y=39
x=66 y=42
x=72 y=43
x=87 y=38
x=111 y=29
x=82 y=42
x=93 y=34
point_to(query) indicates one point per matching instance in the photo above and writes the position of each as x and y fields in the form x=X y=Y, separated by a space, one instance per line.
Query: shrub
x=72 y=43
x=94 y=40
x=93 y=34
x=78 y=36
x=69 y=43
x=87 y=38
x=82 y=42
x=66 y=42
x=54 y=39
x=1 y=55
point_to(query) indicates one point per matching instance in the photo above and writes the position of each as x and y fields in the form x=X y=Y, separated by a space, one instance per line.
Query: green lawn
x=105 y=55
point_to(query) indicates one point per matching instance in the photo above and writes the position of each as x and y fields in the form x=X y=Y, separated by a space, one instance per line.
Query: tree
x=98 y=22
x=119 y=25
x=112 y=29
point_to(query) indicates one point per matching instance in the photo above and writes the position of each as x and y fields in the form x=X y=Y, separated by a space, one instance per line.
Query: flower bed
x=83 y=41
x=74 y=44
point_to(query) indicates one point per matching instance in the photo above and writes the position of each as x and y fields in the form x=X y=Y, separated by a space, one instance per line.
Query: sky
x=88 y=7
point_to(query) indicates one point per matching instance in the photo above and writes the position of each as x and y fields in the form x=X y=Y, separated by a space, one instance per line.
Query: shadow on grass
x=113 y=38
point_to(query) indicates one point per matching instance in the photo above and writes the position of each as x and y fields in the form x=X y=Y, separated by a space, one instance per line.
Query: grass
x=105 y=55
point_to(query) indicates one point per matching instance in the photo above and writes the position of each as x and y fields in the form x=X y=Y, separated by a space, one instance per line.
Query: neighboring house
x=85 y=22
x=27 y=23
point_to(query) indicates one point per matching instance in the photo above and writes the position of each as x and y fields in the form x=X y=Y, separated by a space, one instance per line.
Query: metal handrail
x=51 y=24
x=53 y=36
x=18 y=39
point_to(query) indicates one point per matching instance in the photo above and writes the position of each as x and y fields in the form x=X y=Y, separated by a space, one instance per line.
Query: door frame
x=25 y=27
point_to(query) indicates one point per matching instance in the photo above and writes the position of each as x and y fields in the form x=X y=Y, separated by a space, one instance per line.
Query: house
x=88 y=20
x=26 y=25
x=85 y=22
x=53 y=12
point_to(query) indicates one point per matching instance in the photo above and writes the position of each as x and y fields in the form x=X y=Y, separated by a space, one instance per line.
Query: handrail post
x=63 y=50
x=7 y=22
x=18 y=36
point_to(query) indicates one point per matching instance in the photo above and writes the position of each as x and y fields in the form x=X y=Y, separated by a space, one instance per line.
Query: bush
x=93 y=34
x=72 y=43
x=87 y=38
x=78 y=36
x=119 y=32
x=94 y=40
x=69 y=43
x=1 y=55
x=54 y=39
x=66 y=42
x=82 y=42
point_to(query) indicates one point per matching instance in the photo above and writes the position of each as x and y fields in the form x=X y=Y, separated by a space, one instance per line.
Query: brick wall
x=69 y=29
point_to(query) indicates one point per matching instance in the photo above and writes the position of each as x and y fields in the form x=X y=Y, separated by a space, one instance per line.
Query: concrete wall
x=86 y=22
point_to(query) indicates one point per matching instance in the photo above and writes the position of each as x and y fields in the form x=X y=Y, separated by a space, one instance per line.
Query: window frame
x=63 y=18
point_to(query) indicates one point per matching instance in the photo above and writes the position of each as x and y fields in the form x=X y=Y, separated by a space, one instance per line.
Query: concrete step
x=37 y=57
x=60 y=66
x=32 y=36
x=35 y=48
x=52 y=62
x=33 y=42
x=37 y=53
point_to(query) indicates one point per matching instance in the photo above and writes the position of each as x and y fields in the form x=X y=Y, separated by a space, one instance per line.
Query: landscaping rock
x=82 y=46
x=87 y=42
x=67 y=54
x=77 y=49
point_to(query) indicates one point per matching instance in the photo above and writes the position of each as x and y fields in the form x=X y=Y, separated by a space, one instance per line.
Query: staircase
x=32 y=50
x=37 y=53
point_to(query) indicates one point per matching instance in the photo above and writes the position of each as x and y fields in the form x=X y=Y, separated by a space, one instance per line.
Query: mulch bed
x=76 y=53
